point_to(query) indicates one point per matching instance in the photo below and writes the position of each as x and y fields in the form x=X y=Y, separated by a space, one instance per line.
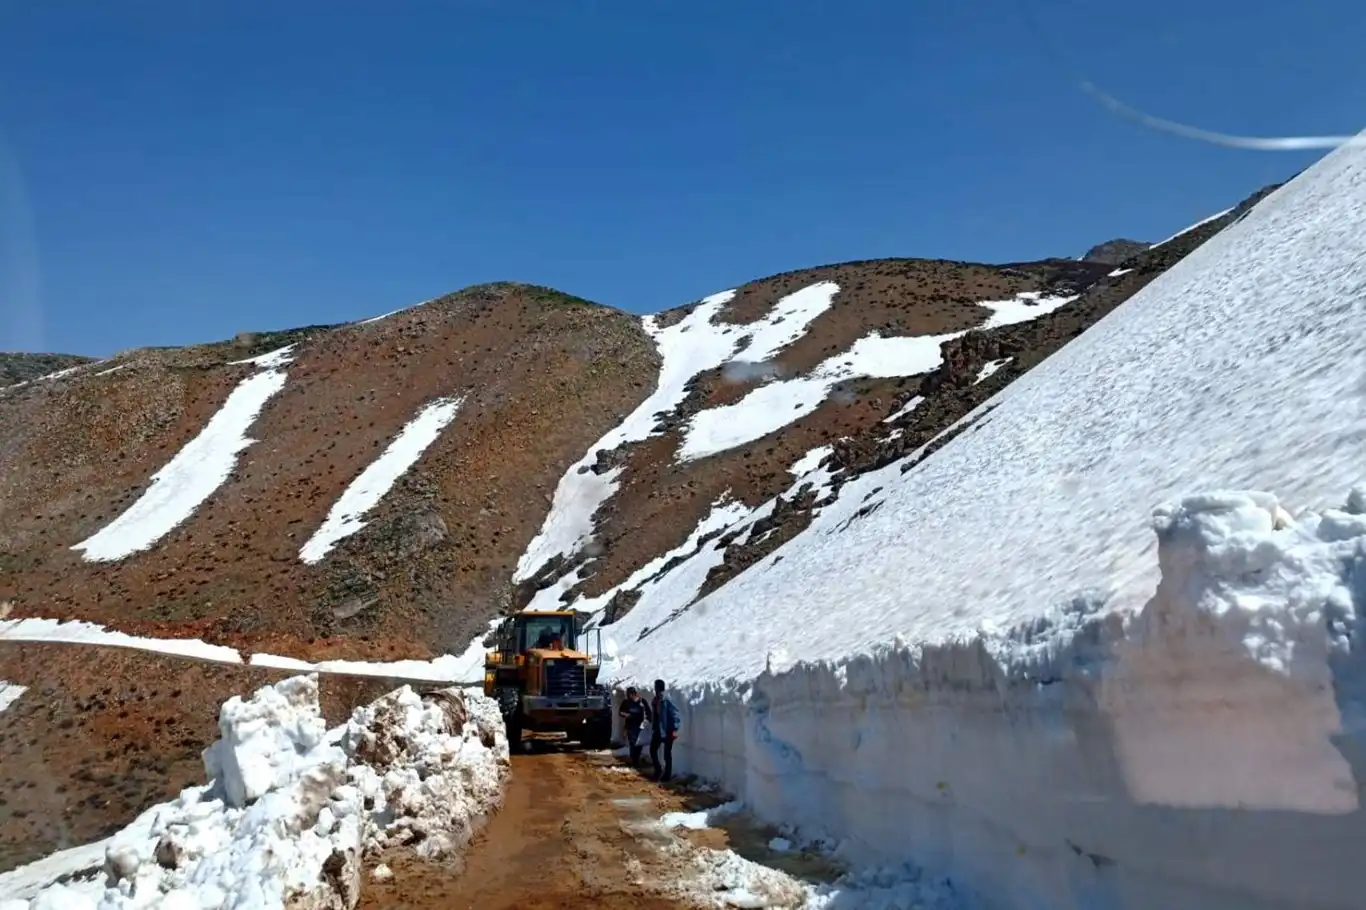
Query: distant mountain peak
x=1113 y=252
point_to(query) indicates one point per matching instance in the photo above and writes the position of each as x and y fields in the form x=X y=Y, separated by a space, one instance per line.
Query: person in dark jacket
x=663 y=731
x=634 y=713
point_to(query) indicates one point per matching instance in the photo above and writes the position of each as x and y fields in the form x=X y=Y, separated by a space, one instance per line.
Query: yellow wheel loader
x=542 y=681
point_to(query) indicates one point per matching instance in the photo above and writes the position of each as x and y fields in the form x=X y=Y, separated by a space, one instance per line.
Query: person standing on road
x=663 y=731
x=634 y=713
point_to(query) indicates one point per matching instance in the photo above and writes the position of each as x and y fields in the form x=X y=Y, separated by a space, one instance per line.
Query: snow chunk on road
x=369 y=487
x=196 y=471
x=693 y=345
x=9 y=693
x=403 y=767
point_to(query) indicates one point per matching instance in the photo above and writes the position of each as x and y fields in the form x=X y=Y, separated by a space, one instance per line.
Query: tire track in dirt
x=566 y=837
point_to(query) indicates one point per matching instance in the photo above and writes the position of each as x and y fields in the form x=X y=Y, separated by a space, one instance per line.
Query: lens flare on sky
x=21 y=315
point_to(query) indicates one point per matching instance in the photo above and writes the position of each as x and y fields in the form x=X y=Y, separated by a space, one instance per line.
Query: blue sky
x=174 y=171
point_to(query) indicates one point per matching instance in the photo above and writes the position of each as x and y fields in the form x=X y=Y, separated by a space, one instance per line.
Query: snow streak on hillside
x=1013 y=680
x=195 y=472
x=369 y=487
x=9 y=693
x=778 y=403
x=464 y=668
x=695 y=344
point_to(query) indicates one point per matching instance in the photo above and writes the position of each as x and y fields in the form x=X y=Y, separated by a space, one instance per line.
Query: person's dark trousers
x=655 y=742
x=632 y=734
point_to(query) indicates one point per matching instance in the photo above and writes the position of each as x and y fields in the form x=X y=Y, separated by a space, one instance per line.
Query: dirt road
x=573 y=833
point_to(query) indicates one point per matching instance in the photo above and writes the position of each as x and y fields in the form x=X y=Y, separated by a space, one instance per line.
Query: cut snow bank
x=1010 y=678
x=1196 y=757
x=365 y=492
x=196 y=471
x=291 y=808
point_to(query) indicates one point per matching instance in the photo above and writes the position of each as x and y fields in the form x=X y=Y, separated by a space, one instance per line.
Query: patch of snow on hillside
x=665 y=595
x=773 y=406
x=810 y=461
x=184 y=483
x=989 y=368
x=369 y=487
x=1199 y=224
x=122 y=366
x=693 y=345
x=778 y=403
x=404 y=770
x=657 y=596
x=915 y=402
x=787 y=322
x=270 y=360
x=1088 y=683
x=1023 y=307
x=1118 y=273
x=9 y=693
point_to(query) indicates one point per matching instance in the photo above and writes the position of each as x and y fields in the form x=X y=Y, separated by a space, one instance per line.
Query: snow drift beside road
x=291 y=808
x=1011 y=680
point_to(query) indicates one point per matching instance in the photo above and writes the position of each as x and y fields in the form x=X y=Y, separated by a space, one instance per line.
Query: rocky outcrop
x=1113 y=252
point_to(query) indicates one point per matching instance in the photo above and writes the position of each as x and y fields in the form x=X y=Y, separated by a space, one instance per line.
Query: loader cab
x=546 y=631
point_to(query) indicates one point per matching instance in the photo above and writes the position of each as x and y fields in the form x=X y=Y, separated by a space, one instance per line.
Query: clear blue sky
x=175 y=171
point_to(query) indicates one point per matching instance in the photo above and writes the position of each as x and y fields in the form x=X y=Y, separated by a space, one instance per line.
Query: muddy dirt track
x=566 y=838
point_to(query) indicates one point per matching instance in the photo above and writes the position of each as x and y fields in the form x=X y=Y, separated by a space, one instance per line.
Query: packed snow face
x=196 y=471
x=291 y=808
x=779 y=402
x=369 y=487
x=1205 y=754
x=1097 y=715
x=693 y=345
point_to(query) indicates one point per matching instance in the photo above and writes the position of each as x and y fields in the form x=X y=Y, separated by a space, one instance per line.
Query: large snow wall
x=988 y=664
x=1205 y=754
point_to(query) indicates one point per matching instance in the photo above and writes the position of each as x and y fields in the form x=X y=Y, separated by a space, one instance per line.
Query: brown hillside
x=544 y=375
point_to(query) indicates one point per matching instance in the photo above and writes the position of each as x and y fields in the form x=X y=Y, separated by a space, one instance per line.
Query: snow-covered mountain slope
x=1054 y=656
x=380 y=491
